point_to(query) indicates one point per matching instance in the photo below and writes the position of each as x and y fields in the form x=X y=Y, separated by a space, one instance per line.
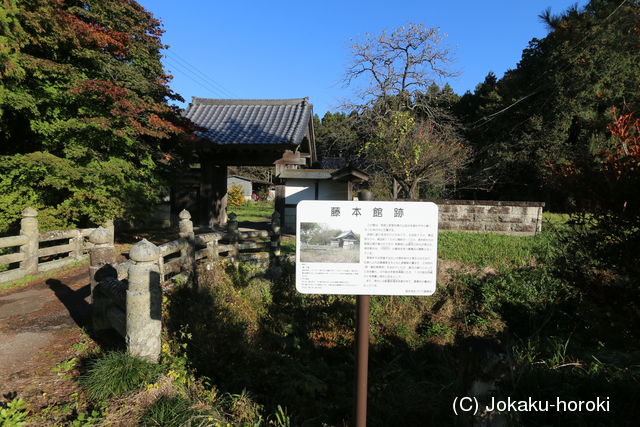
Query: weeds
x=65 y=366
x=267 y=347
x=13 y=413
x=168 y=411
x=117 y=373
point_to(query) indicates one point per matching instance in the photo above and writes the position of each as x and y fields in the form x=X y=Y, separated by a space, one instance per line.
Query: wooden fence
x=32 y=252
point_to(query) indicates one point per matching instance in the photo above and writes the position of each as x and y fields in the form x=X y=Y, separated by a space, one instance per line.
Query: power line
x=196 y=70
x=202 y=83
x=197 y=74
x=486 y=119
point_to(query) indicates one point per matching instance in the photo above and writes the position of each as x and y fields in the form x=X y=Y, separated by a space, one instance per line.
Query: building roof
x=251 y=121
x=306 y=173
x=344 y=174
x=345 y=235
x=252 y=180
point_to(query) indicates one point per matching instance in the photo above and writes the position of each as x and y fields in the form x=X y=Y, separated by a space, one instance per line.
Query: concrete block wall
x=486 y=216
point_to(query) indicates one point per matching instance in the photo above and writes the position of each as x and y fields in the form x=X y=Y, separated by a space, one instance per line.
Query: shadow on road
x=79 y=309
x=74 y=301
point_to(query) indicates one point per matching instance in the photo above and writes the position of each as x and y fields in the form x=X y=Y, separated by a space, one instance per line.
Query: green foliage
x=170 y=411
x=554 y=106
x=337 y=136
x=64 y=367
x=288 y=245
x=116 y=373
x=235 y=196
x=290 y=349
x=416 y=152
x=319 y=234
x=13 y=413
x=66 y=193
x=253 y=210
x=85 y=120
x=495 y=250
x=93 y=417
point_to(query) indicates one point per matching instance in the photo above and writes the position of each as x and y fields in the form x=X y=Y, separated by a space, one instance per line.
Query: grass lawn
x=253 y=211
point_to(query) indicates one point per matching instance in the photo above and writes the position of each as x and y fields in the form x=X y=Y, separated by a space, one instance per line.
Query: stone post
x=274 y=253
x=29 y=229
x=144 y=303
x=102 y=259
x=234 y=235
x=108 y=225
x=77 y=241
x=275 y=234
x=188 y=254
x=212 y=249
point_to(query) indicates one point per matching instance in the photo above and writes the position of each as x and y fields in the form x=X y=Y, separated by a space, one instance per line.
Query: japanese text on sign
x=366 y=248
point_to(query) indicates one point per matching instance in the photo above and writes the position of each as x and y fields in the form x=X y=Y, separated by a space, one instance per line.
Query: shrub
x=168 y=411
x=235 y=196
x=117 y=373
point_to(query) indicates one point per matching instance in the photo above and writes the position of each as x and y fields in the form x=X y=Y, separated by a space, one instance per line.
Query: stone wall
x=486 y=216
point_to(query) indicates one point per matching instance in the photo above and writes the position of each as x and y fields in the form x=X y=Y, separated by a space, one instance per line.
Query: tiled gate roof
x=251 y=121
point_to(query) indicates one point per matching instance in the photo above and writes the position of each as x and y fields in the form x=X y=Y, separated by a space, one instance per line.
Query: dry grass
x=330 y=255
x=124 y=411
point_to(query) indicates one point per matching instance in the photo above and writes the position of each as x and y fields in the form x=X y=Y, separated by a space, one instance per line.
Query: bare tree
x=416 y=152
x=397 y=67
x=413 y=139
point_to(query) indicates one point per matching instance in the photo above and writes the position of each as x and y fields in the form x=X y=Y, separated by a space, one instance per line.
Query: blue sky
x=291 y=49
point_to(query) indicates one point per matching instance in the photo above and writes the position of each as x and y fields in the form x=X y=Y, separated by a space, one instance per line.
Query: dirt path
x=39 y=325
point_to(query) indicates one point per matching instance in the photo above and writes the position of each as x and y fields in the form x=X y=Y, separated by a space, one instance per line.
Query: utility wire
x=486 y=119
x=177 y=67
x=196 y=73
x=196 y=70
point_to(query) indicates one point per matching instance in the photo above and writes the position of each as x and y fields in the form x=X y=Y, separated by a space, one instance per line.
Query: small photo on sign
x=323 y=242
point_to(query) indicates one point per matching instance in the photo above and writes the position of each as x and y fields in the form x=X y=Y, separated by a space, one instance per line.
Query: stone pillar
x=188 y=254
x=77 y=242
x=185 y=226
x=274 y=253
x=29 y=229
x=102 y=259
x=275 y=234
x=144 y=303
x=234 y=236
x=212 y=249
x=108 y=225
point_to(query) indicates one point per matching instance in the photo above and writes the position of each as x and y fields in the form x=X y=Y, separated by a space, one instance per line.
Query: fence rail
x=126 y=296
x=31 y=249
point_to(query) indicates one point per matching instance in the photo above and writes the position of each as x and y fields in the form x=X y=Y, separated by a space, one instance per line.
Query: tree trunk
x=395 y=189
x=413 y=190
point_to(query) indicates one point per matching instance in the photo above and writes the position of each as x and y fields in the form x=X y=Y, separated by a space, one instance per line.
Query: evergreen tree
x=84 y=123
x=554 y=106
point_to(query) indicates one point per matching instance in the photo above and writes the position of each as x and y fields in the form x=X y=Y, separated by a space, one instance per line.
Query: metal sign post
x=362 y=358
x=366 y=248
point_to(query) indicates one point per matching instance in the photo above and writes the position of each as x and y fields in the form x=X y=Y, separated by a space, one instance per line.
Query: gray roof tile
x=251 y=121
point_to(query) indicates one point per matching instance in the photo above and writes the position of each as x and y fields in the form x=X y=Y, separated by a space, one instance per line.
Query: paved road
x=37 y=325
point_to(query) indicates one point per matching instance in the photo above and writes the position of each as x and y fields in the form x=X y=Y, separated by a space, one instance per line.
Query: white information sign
x=366 y=248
